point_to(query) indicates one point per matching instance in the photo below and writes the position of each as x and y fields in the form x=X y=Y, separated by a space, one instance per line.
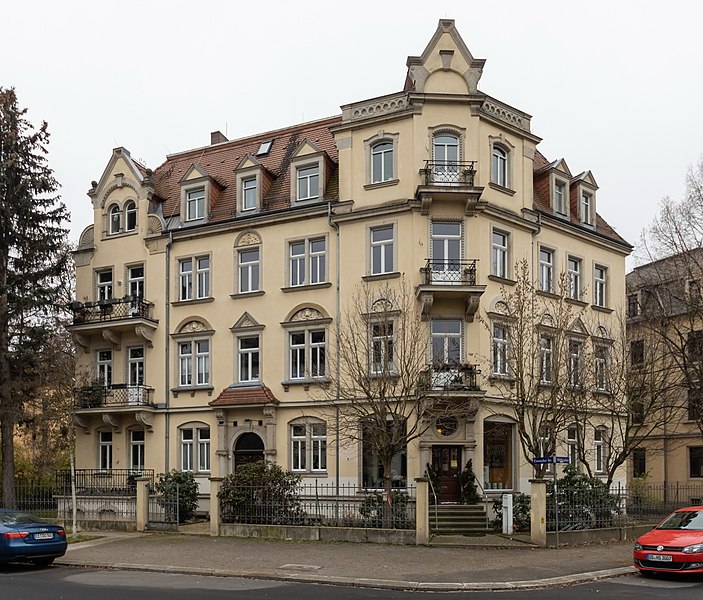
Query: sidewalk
x=362 y=565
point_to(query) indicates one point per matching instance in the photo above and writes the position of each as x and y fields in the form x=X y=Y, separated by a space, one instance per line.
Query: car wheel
x=43 y=562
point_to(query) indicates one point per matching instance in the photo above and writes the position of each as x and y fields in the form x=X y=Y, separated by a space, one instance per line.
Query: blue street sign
x=548 y=460
x=561 y=459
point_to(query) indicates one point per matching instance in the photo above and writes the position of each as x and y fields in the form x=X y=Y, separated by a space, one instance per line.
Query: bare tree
x=384 y=390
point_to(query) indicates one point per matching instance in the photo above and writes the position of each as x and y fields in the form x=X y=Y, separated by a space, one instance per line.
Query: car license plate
x=660 y=557
x=43 y=536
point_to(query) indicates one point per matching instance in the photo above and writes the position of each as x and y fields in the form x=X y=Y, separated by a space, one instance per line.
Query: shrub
x=372 y=509
x=261 y=493
x=178 y=488
x=521 y=513
x=467 y=484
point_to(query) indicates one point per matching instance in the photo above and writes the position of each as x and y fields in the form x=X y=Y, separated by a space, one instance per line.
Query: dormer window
x=115 y=217
x=586 y=208
x=130 y=216
x=195 y=204
x=249 y=193
x=560 y=196
x=309 y=182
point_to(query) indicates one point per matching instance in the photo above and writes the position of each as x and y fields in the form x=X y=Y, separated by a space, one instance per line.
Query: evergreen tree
x=33 y=258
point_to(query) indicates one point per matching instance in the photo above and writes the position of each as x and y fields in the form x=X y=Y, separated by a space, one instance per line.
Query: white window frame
x=600 y=280
x=500 y=348
x=546 y=359
x=546 y=269
x=383 y=248
x=105 y=455
x=573 y=270
x=195 y=448
x=382 y=333
x=575 y=362
x=194 y=363
x=308 y=265
x=599 y=435
x=572 y=445
x=195 y=204
x=308 y=446
x=137 y=446
x=384 y=151
x=307 y=177
x=104 y=280
x=560 y=197
x=499 y=166
x=114 y=219
x=309 y=356
x=249 y=193
x=587 y=208
x=194 y=283
x=600 y=368
x=103 y=371
x=249 y=271
x=130 y=216
x=249 y=359
x=500 y=241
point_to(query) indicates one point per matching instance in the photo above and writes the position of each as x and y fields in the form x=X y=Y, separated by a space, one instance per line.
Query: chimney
x=217 y=137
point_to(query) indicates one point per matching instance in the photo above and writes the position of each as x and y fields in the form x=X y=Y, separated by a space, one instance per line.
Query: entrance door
x=248 y=449
x=446 y=462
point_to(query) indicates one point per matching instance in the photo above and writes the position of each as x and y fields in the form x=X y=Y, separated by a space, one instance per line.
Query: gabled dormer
x=253 y=182
x=310 y=169
x=583 y=198
x=552 y=182
x=199 y=193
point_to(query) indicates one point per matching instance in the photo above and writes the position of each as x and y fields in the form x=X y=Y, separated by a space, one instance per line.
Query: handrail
x=485 y=497
x=434 y=495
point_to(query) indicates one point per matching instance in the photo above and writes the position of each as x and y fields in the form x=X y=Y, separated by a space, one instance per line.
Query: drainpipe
x=337 y=319
x=167 y=353
x=535 y=233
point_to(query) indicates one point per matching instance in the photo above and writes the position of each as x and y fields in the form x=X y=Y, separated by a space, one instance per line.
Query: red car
x=675 y=545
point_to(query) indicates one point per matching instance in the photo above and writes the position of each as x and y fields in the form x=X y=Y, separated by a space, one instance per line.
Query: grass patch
x=82 y=537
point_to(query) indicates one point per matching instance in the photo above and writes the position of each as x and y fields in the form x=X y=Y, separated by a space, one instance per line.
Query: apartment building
x=209 y=288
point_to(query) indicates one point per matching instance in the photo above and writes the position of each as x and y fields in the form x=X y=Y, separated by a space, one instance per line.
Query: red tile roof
x=245 y=396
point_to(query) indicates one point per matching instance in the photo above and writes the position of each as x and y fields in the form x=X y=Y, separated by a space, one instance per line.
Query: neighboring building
x=665 y=329
x=208 y=289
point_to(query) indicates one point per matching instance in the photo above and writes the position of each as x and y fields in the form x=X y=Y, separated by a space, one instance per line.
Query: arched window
x=115 y=218
x=382 y=162
x=445 y=154
x=130 y=216
x=499 y=166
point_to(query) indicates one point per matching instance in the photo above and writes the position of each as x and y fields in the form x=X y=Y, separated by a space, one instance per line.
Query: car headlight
x=638 y=546
x=693 y=549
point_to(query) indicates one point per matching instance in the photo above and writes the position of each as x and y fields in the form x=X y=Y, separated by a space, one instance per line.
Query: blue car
x=24 y=537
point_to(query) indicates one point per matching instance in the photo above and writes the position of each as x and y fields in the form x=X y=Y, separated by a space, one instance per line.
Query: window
x=695 y=404
x=201 y=279
x=694 y=346
x=248 y=349
x=115 y=217
x=249 y=193
x=130 y=216
x=105 y=450
x=136 y=449
x=633 y=305
x=249 y=267
x=546 y=270
x=264 y=148
x=637 y=410
x=446 y=343
x=307 y=354
x=599 y=449
x=572 y=445
x=574 y=277
x=104 y=364
x=382 y=348
x=586 y=209
x=308 y=447
x=308 y=182
x=499 y=254
x=192 y=438
x=307 y=260
x=135 y=371
x=445 y=150
x=637 y=352
x=104 y=285
x=498 y=453
x=695 y=459
x=546 y=353
x=601 y=368
x=372 y=467
x=499 y=166
x=500 y=349
x=135 y=282
x=382 y=250
x=599 y=283
x=382 y=162
x=195 y=204
x=575 y=366
x=639 y=462
x=560 y=197
x=194 y=363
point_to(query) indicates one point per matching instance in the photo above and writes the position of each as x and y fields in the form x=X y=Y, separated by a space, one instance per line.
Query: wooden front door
x=446 y=462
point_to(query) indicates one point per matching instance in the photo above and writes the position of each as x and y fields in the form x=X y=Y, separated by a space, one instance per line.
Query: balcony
x=451 y=181
x=118 y=395
x=451 y=378
x=111 y=318
x=450 y=280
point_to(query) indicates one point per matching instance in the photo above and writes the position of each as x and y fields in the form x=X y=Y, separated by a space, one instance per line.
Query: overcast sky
x=613 y=86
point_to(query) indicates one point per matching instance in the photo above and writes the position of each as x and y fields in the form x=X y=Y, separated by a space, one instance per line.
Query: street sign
x=561 y=459
x=548 y=460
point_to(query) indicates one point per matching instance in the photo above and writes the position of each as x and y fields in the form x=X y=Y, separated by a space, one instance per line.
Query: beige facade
x=209 y=289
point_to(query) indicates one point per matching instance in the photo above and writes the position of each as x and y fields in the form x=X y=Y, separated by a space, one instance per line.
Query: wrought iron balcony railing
x=451 y=377
x=110 y=309
x=449 y=272
x=117 y=395
x=449 y=173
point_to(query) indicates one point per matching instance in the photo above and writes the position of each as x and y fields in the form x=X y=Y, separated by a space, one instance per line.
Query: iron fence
x=36 y=499
x=98 y=482
x=320 y=504
x=163 y=509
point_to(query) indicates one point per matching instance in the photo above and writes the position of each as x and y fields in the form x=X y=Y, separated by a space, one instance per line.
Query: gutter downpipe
x=167 y=354
x=535 y=233
x=338 y=309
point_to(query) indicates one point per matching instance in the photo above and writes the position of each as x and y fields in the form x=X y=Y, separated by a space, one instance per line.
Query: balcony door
x=445 y=155
x=135 y=375
x=446 y=351
x=135 y=276
x=445 y=249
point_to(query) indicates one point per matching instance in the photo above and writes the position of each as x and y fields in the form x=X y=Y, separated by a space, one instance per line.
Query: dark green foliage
x=261 y=493
x=467 y=484
x=178 y=488
x=373 y=509
x=521 y=513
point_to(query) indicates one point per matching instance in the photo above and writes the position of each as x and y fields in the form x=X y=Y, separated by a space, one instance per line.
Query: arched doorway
x=249 y=448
